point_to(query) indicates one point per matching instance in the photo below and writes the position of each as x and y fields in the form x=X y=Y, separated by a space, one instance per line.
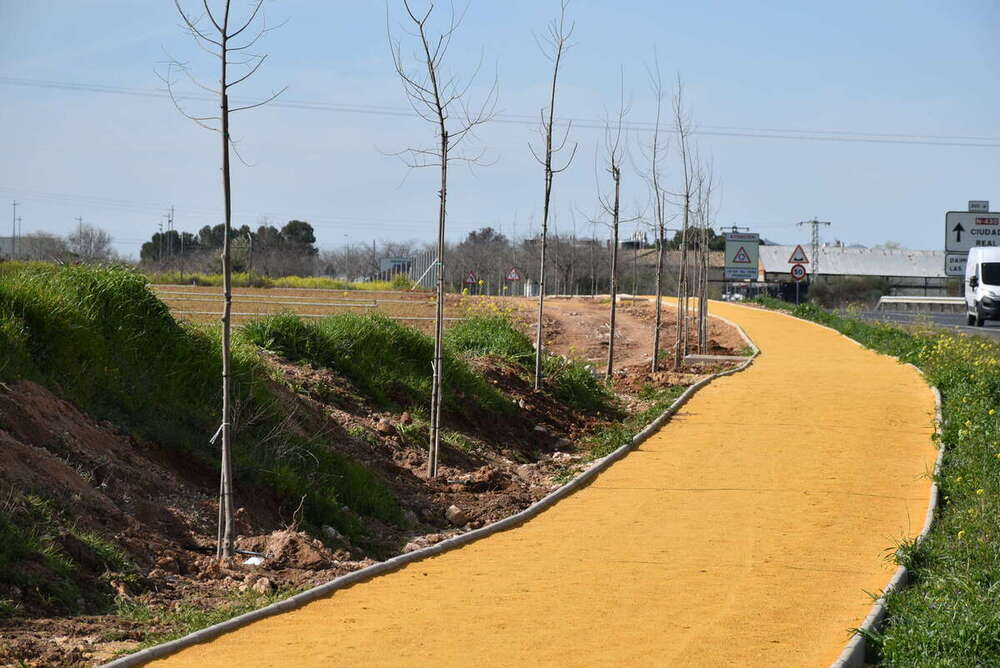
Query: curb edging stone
x=399 y=561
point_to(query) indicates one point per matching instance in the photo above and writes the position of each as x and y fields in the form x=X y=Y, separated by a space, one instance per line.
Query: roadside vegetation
x=948 y=616
x=247 y=280
x=101 y=339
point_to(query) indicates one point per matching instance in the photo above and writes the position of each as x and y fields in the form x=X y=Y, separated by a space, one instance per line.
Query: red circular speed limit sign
x=798 y=272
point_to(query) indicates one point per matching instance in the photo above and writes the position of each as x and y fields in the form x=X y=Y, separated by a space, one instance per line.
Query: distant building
x=908 y=272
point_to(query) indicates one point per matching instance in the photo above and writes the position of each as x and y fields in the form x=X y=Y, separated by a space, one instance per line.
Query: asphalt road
x=954 y=321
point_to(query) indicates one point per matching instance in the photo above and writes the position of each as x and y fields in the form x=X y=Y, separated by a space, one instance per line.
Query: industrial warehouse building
x=906 y=272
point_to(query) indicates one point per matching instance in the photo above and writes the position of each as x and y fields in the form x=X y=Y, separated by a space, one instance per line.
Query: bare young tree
x=706 y=191
x=216 y=33
x=556 y=42
x=683 y=130
x=655 y=154
x=91 y=244
x=439 y=99
x=614 y=155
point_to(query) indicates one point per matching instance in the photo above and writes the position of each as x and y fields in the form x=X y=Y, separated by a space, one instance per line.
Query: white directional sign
x=741 y=256
x=964 y=230
x=954 y=264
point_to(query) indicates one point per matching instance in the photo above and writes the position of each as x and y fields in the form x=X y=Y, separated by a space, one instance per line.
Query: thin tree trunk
x=436 y=387
x=680 y=347
x=616 y=175
x=225 y=550
x=661 y=243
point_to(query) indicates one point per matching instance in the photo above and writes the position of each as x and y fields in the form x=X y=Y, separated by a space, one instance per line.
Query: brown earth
x=160 y=507
x=580 y=328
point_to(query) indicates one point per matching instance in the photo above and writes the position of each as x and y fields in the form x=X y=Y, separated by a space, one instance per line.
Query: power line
x=521 y=119
x=317 y=220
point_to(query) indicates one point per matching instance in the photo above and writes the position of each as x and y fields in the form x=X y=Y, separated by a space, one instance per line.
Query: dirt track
x=744 y=533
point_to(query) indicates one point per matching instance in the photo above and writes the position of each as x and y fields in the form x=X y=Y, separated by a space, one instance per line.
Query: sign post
x=742 y=252
x=798 y=273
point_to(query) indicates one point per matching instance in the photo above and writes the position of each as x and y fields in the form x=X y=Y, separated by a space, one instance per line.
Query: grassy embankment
x=101 y=339
x=950 y=616
x=245 y=280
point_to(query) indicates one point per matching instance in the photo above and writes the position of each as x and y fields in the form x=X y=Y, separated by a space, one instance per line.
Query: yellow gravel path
x=744 y=533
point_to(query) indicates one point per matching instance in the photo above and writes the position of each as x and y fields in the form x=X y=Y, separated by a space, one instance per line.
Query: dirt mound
x=290 y=549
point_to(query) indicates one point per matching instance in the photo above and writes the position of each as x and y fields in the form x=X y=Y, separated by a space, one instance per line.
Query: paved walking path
x=745 y=533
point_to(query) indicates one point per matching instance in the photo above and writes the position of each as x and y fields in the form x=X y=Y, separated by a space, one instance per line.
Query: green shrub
x=478 y=336
x=100 y=338
x=387 y=361
x=569 y=380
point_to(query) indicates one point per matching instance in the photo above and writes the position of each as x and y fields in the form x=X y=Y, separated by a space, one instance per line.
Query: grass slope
x=100 y=338
x=950 y=616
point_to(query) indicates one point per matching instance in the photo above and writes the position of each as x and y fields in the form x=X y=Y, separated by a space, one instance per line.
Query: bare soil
x=159 y=506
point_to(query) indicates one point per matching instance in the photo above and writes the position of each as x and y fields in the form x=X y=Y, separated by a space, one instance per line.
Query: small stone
x=456 y=515
x=333 y=534
x=385 y=427
x=540 y=428
x=412 y=546
x=564 y=443
x=263 y=586
x=405 y=418
x=524 y=472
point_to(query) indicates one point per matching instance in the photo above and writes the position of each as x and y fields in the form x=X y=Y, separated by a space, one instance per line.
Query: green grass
x=568 y=380
x=616 y=434
x=387 y=361
x=950 y=615
x=100 y=338
x=243 y=280
x=180 y=620
x=32 y=558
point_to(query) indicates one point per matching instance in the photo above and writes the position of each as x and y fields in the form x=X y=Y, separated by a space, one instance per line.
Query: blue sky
x=804 y=69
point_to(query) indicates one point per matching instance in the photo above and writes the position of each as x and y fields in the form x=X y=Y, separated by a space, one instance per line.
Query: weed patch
x=387 y=361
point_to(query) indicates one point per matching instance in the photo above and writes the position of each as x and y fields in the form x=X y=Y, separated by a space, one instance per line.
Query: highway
x=955 y=321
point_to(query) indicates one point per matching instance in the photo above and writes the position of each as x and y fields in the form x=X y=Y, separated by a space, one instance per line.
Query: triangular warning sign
x=741 y=257
x=798 y=256
x=513 y=274
x=471 y=278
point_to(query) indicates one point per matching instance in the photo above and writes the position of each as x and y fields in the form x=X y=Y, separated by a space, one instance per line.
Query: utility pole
x=815 y=244
x=170 y=226
x=13 y=232
x=20 y=230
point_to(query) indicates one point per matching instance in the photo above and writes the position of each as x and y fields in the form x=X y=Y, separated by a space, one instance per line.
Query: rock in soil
x=456 y=516
x=263 y=586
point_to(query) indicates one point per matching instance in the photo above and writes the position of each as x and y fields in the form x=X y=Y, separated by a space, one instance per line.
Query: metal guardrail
x=920 y=304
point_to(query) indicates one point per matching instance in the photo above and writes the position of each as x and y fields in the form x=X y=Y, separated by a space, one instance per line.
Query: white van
x=982 y=285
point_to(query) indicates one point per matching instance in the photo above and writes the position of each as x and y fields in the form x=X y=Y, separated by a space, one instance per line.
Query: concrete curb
x=452 y=543
x=858 y=653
